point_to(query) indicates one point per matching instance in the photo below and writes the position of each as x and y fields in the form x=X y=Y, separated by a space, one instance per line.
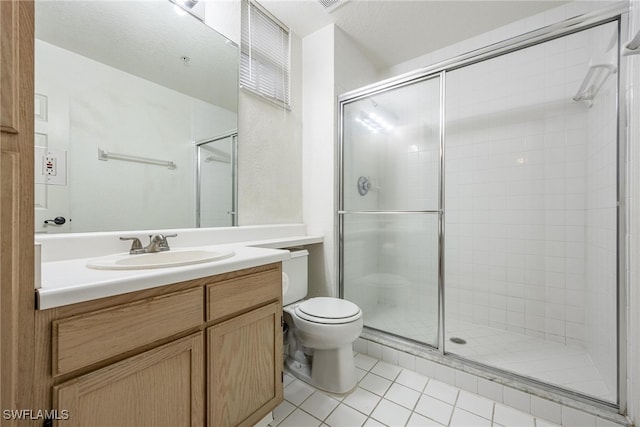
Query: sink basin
x=172 y=258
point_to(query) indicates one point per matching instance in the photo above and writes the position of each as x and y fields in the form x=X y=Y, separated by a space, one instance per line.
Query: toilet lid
x=329 y=308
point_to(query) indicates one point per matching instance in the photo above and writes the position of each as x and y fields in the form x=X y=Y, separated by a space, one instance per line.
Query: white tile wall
x=530 y=198
x=511 y=204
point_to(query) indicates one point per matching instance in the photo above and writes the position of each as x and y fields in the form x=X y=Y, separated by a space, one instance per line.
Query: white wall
x=332 y=64
x=122 y=113
x=270 y=153
x=319 y=156
x=269 y=137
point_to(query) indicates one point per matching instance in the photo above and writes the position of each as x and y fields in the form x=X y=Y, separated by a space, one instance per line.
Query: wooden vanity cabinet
x=202 y=352
x=244 y=372
x=160 y=387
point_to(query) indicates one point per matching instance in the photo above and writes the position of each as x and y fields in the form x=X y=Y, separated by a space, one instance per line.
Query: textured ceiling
x=393 y=31
x=147 y=39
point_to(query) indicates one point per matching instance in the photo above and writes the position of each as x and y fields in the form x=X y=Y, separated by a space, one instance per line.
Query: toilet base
x=302 y=371
x=334 y=370
x=330 y=370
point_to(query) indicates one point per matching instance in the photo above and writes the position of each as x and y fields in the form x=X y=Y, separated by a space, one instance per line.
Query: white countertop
x=70 y=281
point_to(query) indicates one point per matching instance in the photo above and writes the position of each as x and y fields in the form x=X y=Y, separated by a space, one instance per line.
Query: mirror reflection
x=136 y=118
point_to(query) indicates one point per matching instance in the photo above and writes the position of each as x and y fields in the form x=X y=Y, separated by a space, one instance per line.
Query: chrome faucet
x=157 y=243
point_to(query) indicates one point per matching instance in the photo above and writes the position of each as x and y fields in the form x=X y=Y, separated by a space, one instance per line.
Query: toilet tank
x=295 y=281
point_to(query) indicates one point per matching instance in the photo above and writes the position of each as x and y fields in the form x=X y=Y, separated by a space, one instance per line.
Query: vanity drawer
x=240 y=294
x=85 y=339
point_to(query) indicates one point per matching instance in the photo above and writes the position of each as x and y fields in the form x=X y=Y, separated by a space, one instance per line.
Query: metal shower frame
x=234 y=172
x=617 y=12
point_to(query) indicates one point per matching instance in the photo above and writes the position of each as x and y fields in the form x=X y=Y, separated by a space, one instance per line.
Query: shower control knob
x=363 y=185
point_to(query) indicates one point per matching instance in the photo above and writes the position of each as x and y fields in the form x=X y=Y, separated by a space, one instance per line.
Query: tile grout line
x=493 y=412
x=455 y=404
x=385 y=393
x=413 y=411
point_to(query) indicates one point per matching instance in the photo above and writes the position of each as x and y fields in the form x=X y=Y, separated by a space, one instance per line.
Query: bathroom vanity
x=188 y=345
x=200 y=352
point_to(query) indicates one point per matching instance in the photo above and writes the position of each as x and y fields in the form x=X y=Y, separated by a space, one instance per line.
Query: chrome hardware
x=106 y=155
x=364 y=185
x=136 y=245
x=593 y=82
x=157 y=243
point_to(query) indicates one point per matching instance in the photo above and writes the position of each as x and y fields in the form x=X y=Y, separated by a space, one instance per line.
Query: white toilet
x=321 y=331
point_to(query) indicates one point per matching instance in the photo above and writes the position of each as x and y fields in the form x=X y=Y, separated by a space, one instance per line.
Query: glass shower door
x=390 y=208
x=530 y=208
x=216 y=186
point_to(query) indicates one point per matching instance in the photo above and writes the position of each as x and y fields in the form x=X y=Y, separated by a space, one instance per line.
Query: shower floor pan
x=567 y=366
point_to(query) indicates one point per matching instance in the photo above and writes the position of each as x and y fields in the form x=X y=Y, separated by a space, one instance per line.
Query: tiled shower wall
x=522 y=172
x=516 y=191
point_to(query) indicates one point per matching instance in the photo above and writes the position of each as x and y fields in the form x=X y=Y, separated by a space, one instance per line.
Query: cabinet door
x=160 y=387
x=245 y=367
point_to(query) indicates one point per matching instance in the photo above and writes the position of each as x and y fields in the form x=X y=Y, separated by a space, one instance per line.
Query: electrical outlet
x=49 y=166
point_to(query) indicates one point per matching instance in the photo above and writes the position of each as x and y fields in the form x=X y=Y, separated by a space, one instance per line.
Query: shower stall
x=481 y=208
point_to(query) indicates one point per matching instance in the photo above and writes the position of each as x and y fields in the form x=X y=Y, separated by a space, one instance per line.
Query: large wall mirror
x=136 y=118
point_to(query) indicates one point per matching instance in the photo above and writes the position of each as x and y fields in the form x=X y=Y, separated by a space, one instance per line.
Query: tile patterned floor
x=388 y=395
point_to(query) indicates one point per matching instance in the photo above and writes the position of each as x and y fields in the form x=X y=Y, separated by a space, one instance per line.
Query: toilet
x=321 y=331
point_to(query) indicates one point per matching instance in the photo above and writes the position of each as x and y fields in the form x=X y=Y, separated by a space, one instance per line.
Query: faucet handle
x=160 y=241
x=164 y=245
x=136 y=245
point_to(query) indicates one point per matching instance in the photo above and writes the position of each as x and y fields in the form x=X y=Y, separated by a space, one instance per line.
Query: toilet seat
x=327 y=310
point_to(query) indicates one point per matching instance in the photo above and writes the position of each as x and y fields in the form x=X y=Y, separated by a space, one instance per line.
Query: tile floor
x=388 y=395
x=568 y=366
